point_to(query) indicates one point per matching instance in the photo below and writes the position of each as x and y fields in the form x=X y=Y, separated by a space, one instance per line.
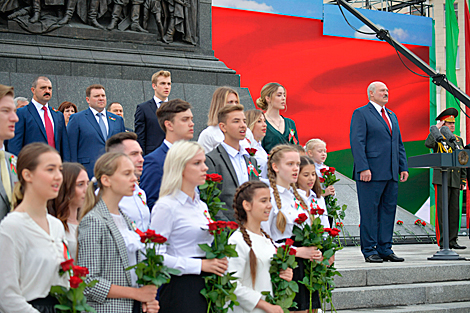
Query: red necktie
x=49 y=129
x=386 y=120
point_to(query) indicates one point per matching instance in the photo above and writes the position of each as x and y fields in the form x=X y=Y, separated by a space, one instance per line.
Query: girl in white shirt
x=283 y=171
x=316 y=150
x=70 y=199
x=255 y=249
x=181 y=217
x=107 y=242
x=32 y=242
x=256 y=122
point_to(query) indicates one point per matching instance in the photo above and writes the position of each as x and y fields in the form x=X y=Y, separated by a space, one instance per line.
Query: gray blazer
x=5 y=206
x=101 y=248
x=219 y=162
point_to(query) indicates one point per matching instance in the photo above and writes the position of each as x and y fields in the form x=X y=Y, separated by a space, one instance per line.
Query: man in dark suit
x=149 y=133
x=89 y=129
x=457 y=179
x=176 y=120
x=379 y=160
x=8 y=118
x=36 y=126
x=229 y=159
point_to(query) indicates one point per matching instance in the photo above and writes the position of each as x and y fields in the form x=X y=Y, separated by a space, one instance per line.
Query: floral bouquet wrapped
x=334 y=210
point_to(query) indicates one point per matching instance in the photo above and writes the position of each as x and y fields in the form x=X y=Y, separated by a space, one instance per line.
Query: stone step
x=456 y=307
x=400 y=273
x=401 y=295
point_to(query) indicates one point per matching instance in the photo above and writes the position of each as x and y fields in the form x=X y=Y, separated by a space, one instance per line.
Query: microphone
x=436 y=134
x=448 y=134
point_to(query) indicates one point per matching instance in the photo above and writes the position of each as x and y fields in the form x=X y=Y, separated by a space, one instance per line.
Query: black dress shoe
x=374 y=258
x=393 y=258
x=457 y=246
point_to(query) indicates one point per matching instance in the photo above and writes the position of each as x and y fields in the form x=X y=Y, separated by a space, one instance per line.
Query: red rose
x=75 y=281
x=143 y=238
x=334 y=233
x=251 y=151
x=322 y=180
x=158 y=239
x=221 y=224
x=292 y=251
x=214 y=177
x=283 y=247
x=232 y=225
x=331 y=170
x=400 y=222
x=66 y=265
x=80 y=271
x=423 y=223
x=326 y=230
x=336 y=229
x=213 y=226
x=323 y=170
x=289 y=242
x=320 y=211
x=418 y=222
x=302 y=218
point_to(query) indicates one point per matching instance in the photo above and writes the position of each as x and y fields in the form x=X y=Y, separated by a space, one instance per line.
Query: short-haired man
x=149 y=133
x=20 y=102
x=39 y=122
x=116 y=108
x=134 y=206
x=176 y=120
x=231 y=160
x=8 y=118
x=89 y=129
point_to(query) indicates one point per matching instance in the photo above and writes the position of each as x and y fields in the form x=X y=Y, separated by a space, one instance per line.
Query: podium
x=443 y=161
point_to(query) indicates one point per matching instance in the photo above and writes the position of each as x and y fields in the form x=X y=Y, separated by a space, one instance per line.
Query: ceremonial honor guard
x=457 y=178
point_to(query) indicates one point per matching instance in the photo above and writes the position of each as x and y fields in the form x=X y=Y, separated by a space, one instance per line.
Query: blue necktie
x=102 y=126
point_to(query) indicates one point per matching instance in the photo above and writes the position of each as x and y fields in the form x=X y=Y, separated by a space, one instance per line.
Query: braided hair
x=245 y=193
x=275 y=157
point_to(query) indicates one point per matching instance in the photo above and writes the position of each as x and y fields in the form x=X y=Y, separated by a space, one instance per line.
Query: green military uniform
x=457 y=177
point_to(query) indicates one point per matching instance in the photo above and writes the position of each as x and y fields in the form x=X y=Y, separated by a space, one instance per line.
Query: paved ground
x=417 y=254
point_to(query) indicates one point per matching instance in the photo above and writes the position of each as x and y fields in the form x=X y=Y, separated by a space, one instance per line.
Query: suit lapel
x=3 y=193
x=121 y=245
x=34 y=113
x=55 y=118
x=228 y=163
x=91 y=118
x=379 y=117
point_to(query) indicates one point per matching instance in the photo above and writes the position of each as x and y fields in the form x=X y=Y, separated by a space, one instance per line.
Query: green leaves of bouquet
x=283 y=291
x=209 y=193
x=219 y=290
x=334 y=210
x=152 y=271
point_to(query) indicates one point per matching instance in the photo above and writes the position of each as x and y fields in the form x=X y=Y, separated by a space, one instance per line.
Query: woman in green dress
x=280 y=130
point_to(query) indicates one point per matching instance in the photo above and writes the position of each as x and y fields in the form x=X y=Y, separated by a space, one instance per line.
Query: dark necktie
x=49 y=128
x=386 y=120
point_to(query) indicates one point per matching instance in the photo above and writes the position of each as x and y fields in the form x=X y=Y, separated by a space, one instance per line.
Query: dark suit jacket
x=218 y=161
x=149 y=133
x=5 y=206
x=86 y=140
x=151 y=178
x=373 y=147
x=30 y=128
x=458 y=175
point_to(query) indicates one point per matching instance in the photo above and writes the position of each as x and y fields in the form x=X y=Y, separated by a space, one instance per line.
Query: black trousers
x=454 y=214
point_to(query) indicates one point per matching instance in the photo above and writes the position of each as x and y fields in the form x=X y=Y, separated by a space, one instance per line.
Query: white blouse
x=261 y=155
x=71 y=236
x=291 y=211
x=212 y=136
x=312 y=201
x=183 y=221
x=135 y=207
x=30 y=260
x=248 y=295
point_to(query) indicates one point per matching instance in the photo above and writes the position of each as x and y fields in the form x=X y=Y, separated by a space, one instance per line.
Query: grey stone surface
x=5 y=78
x=7 y=64
x=458 y=307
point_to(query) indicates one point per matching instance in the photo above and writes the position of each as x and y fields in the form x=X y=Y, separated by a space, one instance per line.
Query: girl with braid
x=283 y=172
x=255 y=249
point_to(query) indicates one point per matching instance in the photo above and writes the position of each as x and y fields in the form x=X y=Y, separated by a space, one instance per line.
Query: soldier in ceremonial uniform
x=457 y=179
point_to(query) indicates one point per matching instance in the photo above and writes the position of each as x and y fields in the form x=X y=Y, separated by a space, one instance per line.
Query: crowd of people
x=79 y=185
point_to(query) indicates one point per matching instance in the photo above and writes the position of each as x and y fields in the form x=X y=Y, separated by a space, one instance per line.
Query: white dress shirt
x=38 y=107
x=30 y=259
x=248 y=295
x=312 y=201
x=261 y=157
x=71 y=236
x=238 y=161
x=290 y=210
x=159 y=102
x=212 y=136
x=183 y=222
x=104 y=118
x=168 y=144
x=379 y=109
x=136 y=208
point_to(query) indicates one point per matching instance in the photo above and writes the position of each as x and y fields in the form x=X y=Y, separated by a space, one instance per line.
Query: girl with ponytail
x=32 y=242
x=107 y=242
x=283 y=172
x=255 y=249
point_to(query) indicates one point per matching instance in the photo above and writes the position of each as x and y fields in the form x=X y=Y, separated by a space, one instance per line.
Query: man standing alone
x=379 y=159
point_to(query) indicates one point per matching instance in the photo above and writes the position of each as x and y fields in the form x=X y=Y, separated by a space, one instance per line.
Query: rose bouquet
x=209 y=193
x=283 y=291
x=219 y=290
x=151 y=270
x=329 y=248
x=72 y=299
x=334 y=210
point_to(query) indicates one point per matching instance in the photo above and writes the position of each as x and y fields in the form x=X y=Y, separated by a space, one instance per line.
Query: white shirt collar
x=96 y=112
x=157 y=101
x=182 y=198
x=377 y=107
x=38 y=105
x=168 y=144
x=232 y=151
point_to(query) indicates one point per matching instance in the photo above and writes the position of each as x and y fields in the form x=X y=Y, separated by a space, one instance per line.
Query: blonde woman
x=181 y=217
x=107 y=242
x=280 y=130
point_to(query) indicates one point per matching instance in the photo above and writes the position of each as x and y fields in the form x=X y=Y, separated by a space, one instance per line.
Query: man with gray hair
x=379 y=161
x=20 y=102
